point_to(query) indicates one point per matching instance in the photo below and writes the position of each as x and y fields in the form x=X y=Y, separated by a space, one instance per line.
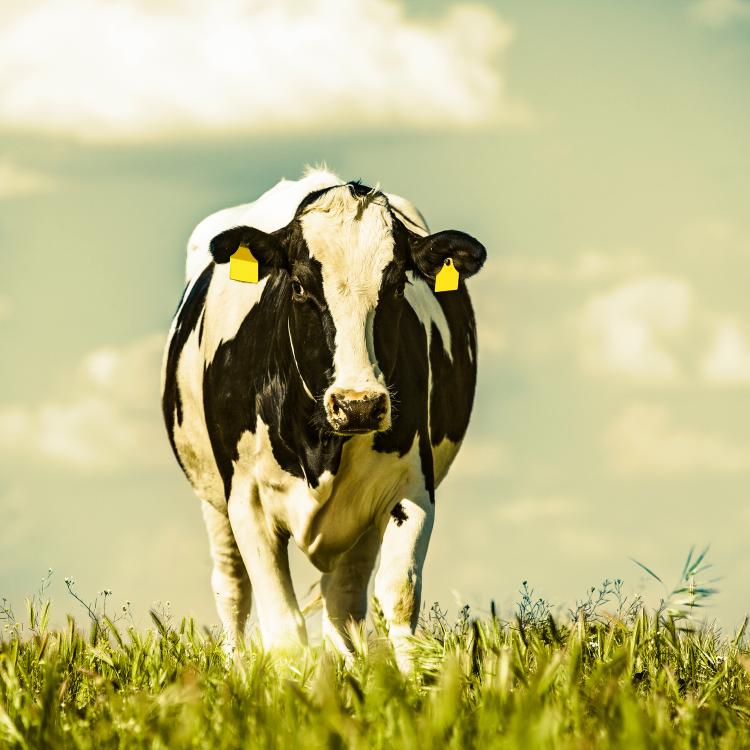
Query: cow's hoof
x=402 y=641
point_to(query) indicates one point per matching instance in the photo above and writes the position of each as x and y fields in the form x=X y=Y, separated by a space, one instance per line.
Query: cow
x=324 y=403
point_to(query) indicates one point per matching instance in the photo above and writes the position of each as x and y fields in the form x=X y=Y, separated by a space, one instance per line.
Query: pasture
x=613 y=675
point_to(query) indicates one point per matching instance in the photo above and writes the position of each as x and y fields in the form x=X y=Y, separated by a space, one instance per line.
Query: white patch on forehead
x=352 y=238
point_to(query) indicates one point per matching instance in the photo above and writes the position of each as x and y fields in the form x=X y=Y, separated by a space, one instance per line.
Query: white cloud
x=718 y=13
x=630 y=329
x=728 y=360
x=644 y=441
x=17 y=180
x=508 y=333
x=111 y=421
x=135 y=68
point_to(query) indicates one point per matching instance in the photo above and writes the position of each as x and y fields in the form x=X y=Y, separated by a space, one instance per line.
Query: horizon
x=601 y=154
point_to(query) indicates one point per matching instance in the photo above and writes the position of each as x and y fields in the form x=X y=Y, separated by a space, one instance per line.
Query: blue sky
x=600 y=150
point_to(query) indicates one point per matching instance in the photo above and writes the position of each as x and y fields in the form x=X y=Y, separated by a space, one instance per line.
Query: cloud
x=719 y=13
x=629 y=330
x=728 y=360
x=110 y=422
x=132 y=68
x=644 y=441
x=16 y=180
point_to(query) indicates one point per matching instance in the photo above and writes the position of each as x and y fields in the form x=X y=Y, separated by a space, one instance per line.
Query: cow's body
x=256 y=377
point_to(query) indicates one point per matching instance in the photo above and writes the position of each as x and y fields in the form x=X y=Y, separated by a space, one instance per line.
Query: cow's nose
x=353 y=411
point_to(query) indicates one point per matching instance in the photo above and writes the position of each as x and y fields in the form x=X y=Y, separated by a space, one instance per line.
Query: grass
x=611 y=675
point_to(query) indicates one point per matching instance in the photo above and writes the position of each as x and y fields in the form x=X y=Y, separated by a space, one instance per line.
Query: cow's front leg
x=229 y=580
x=344 y=590
x=398 y=582
x=265 y=553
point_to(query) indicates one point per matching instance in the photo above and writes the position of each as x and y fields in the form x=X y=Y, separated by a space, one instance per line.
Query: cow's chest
x=328 y=519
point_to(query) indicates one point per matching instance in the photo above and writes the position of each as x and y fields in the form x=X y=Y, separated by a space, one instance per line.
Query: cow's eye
x=297 y=289
x=398 y=292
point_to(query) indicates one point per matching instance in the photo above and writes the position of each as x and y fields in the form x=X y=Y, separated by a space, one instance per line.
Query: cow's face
x=342 y=263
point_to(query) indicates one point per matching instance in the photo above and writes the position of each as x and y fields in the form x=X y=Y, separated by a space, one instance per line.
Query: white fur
x=428 y=310
x=324 y=521
x=273 y=210
x=264 y=552
x=227 y=305
x=296 y=363
x=398 y=582
x=191 y=436
x=442 y=456
x=408 y=211
x=353 y=240
x=340 y=523
x=229 y=579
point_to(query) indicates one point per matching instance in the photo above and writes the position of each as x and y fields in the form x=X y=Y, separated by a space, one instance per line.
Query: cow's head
x=343 y=262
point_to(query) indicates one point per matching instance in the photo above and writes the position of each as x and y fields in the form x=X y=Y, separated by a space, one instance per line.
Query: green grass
x=625 y=679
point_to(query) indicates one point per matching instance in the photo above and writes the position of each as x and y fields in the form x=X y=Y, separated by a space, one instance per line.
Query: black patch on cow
x=359 y=190
x=399 y=514
x=453 y=382
x=187 y=319
x=429 y=253
x=200 y=329
x=408 y=384
x=255 y=375
x=409 y=373
x=267 y=248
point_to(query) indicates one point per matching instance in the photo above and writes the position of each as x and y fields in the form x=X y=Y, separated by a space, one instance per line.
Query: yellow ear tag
x=447 y=278
x=243 y=266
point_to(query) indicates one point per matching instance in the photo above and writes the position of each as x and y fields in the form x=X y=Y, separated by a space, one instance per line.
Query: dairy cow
x=323 y=404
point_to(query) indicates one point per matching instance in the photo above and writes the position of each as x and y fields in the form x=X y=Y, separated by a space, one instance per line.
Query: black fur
x=399 y=514
x=267 y=249
x=429 y=253
x=254 y=374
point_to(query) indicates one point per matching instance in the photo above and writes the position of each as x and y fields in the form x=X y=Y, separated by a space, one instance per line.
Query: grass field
x=611 y=675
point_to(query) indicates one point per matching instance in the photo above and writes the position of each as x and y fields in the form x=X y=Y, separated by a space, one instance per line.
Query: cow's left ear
x=268 y=249
x=429 y=253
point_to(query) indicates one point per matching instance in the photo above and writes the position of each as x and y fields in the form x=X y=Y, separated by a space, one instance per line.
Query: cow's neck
x=301 y=441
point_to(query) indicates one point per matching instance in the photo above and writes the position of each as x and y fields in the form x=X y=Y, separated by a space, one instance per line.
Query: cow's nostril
x=336 y=404
x=379 y=409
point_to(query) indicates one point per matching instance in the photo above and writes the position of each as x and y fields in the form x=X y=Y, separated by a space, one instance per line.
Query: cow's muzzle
x=356 y=412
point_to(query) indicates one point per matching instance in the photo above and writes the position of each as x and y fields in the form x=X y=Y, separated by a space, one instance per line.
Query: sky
x=601 y=152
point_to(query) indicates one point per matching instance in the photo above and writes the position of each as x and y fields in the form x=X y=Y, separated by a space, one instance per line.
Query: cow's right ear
x=268 y=249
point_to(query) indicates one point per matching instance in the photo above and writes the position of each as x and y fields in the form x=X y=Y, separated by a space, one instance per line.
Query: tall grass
x=622 y=678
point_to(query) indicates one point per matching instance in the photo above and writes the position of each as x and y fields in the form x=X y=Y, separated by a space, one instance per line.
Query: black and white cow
x=324 y=403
